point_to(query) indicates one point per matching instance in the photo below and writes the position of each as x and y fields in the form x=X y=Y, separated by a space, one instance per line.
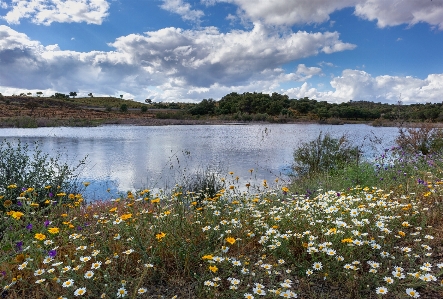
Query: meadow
x=356 y=230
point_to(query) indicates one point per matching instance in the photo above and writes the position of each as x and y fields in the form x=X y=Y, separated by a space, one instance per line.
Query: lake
x=122 y=158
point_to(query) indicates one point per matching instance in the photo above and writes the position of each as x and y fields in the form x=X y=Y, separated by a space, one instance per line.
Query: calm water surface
x=124 y=158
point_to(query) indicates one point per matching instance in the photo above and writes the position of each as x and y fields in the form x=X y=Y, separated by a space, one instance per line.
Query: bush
x=124 y=108
x=144 y=109
x=324 y=154
x=424 y=139
x=23 y=170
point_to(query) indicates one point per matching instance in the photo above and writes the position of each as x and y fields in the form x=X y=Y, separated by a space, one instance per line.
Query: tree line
x=281 y=105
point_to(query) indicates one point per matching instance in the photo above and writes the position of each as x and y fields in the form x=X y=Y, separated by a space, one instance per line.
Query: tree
x=39 y=93
x=144 y=109
x=90 y=95
x=121 y=96
x=73 y=94
x=148 y=101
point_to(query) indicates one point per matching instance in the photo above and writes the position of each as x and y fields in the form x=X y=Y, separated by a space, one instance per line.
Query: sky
x=190 y=50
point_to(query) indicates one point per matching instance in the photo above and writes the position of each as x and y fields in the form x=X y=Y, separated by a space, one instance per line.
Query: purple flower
x=19 y=245
x=19 y=203
x=29 y=226
x=338 y=194
x=47 y=222
x=52 y=253
x=50 y=194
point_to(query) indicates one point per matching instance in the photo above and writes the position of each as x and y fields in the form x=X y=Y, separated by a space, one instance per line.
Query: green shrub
x=324 y=154
x=424 y=139
x=23 y=169
x=144 y=109
x=124 y=108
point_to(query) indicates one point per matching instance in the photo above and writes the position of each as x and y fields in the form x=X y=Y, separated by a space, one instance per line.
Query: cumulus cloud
x=396 y=12
x=170 y=62
x=386 y=13
x=48 y=11
x=358 y=85
x=283 y=12
x=183 y=9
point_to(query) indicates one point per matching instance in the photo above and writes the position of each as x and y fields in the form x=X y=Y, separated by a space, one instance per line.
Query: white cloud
x=3 y=5
x=386 y=13
x=283 y=12
x=361 y=86
x=396 y=12
x=168 y=62
x=48 y=11
x=183 y=9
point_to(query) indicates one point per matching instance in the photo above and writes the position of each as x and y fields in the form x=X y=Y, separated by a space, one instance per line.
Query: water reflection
x=121 y=158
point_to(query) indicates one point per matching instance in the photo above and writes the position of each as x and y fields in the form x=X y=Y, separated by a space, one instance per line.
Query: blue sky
x=186 y=51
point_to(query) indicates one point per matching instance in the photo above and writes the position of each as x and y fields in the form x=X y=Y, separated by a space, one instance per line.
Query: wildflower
x=388 y=280
x=85 y=258
x=53 y=230
x=40 y=280
x=80 y=292
x=23 y=265
x=141 y=290
x=89 y=274
x=68 y=283
x=412 y=293
x=121 y=292
x=17 y=215
x=259 y=291
x=288 y=294
x=317 y=266
x=40 y=237
x=39 y=272
x=213 y=269
x=230 y=240
x=381 y=290
x=248 y=296
x=129 y=251
x=96 y=265
x=207 y=257
x=160 y=236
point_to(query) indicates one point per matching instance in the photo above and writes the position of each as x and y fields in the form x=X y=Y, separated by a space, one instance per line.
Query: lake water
x=124 y=158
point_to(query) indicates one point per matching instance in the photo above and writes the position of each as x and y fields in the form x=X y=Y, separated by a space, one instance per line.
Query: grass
x=366 y=231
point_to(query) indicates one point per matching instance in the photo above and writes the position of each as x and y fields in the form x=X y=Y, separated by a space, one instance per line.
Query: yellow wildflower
x=213 y=269
x=126 y=216
x=160 y=236
x=53 y=230
x=16 y=215
x=230 y=240
x=39 y=236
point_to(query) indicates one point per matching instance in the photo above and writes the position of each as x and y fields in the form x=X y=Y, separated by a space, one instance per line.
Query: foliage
x=324 y=154
x=425 y=139
x=22 y=168
x=61 y=96
x=144 y=109
x=204 y=107
x=123 y=108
